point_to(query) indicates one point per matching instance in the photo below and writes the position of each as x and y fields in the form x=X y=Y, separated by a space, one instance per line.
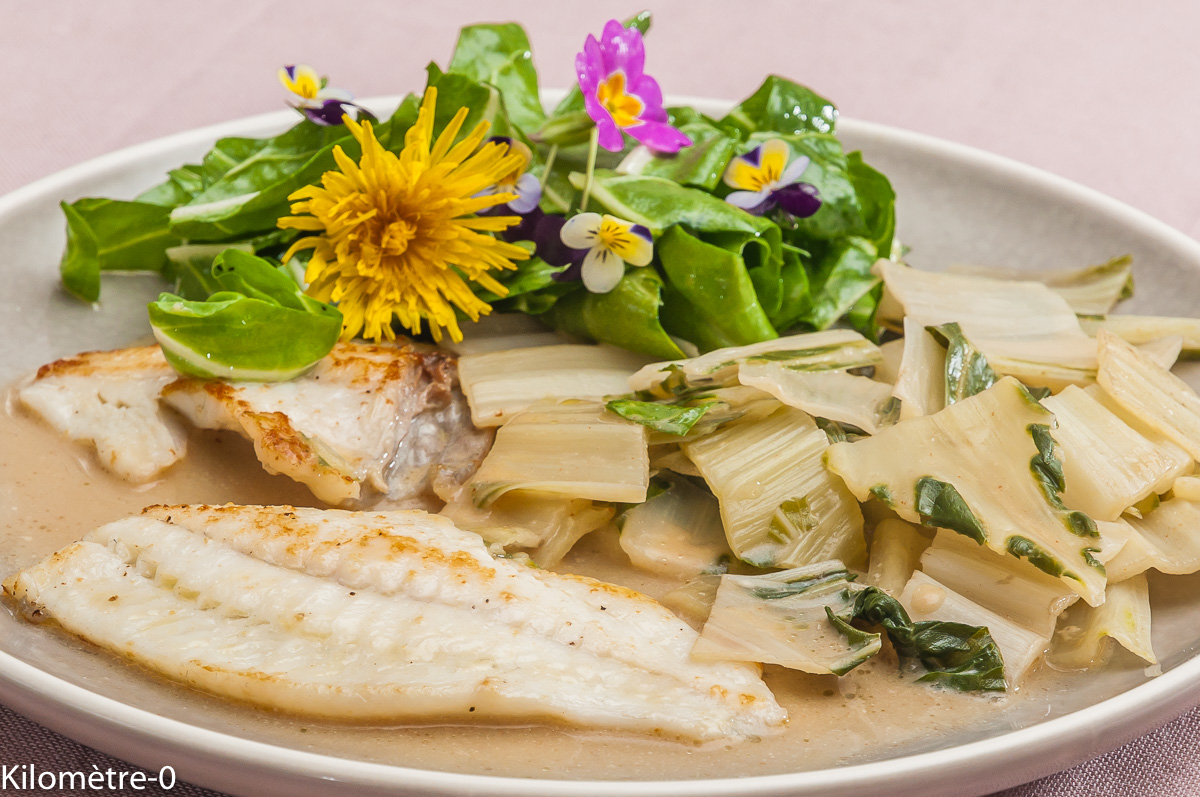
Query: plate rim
x=84 y=715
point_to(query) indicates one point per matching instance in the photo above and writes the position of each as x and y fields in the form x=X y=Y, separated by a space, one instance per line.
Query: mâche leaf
x=259 y=326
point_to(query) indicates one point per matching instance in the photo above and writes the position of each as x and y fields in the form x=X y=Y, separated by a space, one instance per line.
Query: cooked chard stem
x=759 y=468
x=986 y=468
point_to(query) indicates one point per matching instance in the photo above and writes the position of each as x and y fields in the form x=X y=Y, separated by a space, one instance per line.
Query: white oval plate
x=956 y=205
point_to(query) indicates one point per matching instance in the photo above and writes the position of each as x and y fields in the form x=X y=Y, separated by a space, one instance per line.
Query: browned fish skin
x=387 y=416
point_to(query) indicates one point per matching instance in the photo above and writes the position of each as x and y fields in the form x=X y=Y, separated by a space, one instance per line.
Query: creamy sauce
x=52 y=492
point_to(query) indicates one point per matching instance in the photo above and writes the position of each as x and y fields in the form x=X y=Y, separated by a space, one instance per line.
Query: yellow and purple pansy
x=767 y=177
x=609 y=244
x=619 y=96
x=319 y=103
x=520 y=181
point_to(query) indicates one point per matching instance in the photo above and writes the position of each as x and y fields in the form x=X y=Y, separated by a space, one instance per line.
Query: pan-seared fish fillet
x=384 y=416
x=110 y=399
x=385 y=616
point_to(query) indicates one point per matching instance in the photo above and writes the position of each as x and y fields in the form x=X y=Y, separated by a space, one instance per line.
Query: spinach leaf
x=111 y=235
x=782 y=106
x=500 y=55
x=190 y=268
x=244 y=201
x=180 y=186
x=665 y=418
x=243 y=165
x=783 y=291
x=259 y=326
x=841 y=211
x=709 y=298
x=967 y=370
x=247 y=181
x=484 y=103
x=626 y=316
x=658 y=203
x=838 y=279
x=701 y=165
x=877 y=201
x=957 y=655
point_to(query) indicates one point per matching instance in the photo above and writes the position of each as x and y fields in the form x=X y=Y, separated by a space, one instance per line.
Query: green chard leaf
x=939 y=504
x=967 y=370
x=500 y=55
x=955 y=655
x=666 y=418
x=1046 y=467
x=111 y=235
x=259 y=326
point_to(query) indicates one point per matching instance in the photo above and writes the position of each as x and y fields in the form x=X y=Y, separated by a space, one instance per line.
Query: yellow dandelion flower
x=397 y=235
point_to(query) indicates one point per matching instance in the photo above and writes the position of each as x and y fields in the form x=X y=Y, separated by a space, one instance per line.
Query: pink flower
x=619 y=96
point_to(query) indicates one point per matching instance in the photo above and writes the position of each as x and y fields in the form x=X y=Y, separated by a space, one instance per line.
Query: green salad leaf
x=709 y=297
x=839 y=277
x=111 y=235
x=701 y=165
x=627 y=316
x=780 y=105
x=499 y=55
x=260 y=326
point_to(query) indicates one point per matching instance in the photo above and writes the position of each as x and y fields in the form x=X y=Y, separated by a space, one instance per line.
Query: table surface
x=1098 y=91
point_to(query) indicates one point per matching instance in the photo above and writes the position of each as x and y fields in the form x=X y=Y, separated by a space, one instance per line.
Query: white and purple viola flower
x=319 y=103
x=519 y=181
x=619 y=96
x=608 y=243
x=768 y=177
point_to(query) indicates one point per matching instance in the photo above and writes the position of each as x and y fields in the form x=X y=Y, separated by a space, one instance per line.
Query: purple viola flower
x=319 y=103
x=766 y=180
x=547 y=238
x=619 y=96
x=519 y=181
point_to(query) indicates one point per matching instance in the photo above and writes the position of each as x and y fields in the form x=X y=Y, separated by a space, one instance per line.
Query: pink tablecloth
x=1099 y=91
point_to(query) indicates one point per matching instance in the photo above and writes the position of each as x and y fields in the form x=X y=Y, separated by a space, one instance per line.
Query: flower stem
x=549 y=164
x=593 y=147
x=554 y=197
